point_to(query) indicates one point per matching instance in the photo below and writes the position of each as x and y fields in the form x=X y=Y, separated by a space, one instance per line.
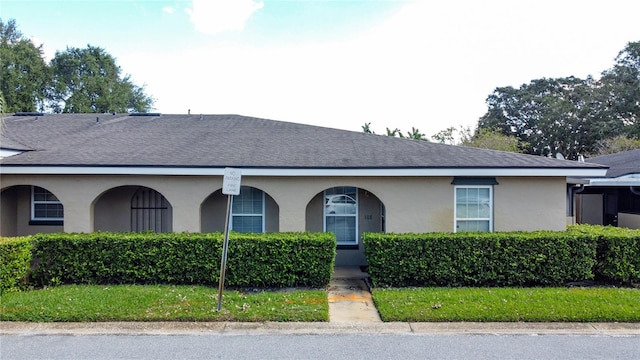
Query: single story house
x=613 y=199
x=158 y=172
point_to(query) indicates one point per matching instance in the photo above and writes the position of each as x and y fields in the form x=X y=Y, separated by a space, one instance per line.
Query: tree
x=617 y=144
x=23 y=72
x=551 y=116
x=445 y=136
x=415 y=134
x=89 y=81
x=367 y=129
x=620 y=89
x=395 y=132
x=568 y=115
x=492 y=139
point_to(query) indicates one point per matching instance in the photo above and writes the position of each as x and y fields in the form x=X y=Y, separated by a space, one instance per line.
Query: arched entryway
x=252 y=211
x=132 y=208
x=347 y=211
x=29 y=209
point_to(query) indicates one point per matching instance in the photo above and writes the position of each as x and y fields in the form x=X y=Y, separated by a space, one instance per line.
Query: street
x=324 y=346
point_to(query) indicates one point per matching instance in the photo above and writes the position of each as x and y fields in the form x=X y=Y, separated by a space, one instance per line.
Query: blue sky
x=338 y=63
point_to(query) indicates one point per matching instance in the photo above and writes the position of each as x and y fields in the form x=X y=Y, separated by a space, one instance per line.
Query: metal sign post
x=230 y=187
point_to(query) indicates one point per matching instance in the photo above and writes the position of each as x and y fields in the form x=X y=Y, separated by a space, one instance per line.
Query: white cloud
x=168 y=10
x=215 y=16
x=429 y=66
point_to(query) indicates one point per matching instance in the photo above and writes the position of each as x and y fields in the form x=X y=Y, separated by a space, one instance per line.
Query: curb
x=300 y=328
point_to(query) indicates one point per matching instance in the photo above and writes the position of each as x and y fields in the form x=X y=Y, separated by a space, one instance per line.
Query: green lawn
x=508 y=304
x=161 y=303
x=84 y=303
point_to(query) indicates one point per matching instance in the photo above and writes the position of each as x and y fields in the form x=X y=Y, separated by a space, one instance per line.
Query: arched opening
x=27 y=209
x=347 y=211
x=252 y=211
x=132 y=208
x=149 y=211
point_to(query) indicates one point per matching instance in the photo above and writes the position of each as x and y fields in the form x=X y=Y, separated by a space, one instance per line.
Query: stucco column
x=186 y=217
x=78 y=212
x=186 y=194
x=292 y=216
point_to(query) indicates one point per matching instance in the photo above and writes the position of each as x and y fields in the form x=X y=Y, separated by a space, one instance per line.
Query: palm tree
x=415 y=134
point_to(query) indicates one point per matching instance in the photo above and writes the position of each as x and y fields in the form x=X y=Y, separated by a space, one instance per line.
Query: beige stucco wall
x=412 y=204
x=530 y=204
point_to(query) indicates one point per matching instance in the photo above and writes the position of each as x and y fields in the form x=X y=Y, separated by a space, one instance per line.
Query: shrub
x=15 y=259
x=617 y=254
x=479 y=259
x=281 y=259
x=272 y=260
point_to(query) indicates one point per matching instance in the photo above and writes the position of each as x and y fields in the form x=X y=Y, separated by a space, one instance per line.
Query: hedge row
x=15 y=257
x=261 y=260
x=617 y=253
x=583 y=252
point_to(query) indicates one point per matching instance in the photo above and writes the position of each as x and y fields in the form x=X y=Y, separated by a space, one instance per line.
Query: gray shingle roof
x=233 y=140
x=622 y=163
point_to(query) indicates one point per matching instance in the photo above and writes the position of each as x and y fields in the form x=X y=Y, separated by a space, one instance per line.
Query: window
x=149 y=211
x=341 y=214
x=473 y=208
x=247 y=211
x=45 y=207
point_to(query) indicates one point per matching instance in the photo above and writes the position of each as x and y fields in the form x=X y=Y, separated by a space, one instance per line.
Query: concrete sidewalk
x=351 y=311
x=298 y=328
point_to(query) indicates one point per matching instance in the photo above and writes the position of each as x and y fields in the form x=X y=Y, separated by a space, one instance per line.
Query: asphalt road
x=320 y=346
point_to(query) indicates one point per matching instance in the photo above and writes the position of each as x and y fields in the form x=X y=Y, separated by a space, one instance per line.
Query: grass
x=161 y=303
x=91 y=303
x=509 y=304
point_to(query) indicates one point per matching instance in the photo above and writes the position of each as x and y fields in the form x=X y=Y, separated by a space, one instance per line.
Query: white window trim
x=324 y=218
x=262 y=217
x=34 y=202
x=455 y=207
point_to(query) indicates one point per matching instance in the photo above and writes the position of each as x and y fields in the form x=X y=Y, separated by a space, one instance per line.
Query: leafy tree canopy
x=23 y=72
x=618 y=144
x=485 y=139
x=570 y=116
x=89 y=81
x=492 y=139
x=76 y=80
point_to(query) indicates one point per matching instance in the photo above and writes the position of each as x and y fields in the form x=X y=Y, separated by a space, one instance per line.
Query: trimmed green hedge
x=618 y=253
x=15 y=257
x=262 y=260
x=480 y=259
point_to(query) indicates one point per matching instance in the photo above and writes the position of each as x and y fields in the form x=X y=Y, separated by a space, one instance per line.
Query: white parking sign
x=231 y=181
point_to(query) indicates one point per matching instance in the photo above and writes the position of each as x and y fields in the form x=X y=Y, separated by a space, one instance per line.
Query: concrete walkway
x=350 y=299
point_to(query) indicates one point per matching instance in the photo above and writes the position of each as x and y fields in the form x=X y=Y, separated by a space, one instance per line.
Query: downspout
x=634 y=191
